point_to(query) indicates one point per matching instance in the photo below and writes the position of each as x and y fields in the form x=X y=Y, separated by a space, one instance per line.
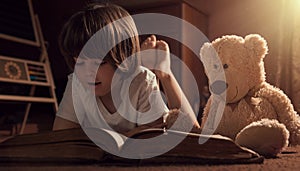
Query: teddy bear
x=255 y=114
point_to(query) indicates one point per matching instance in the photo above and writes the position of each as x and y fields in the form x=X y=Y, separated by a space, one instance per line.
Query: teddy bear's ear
x=256 y=45
x=206 y=52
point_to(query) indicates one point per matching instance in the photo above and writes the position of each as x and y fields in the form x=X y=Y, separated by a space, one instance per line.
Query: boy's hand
x=155 y=55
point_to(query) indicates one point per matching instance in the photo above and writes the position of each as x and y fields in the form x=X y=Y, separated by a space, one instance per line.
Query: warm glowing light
x=296 y=7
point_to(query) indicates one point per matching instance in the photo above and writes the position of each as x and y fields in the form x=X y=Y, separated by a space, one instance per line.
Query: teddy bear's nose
x=218 y=87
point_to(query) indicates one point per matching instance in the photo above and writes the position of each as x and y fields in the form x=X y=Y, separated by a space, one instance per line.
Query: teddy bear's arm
x=284 y=110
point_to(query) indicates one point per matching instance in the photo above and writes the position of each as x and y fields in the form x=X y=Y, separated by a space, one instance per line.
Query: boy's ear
x=256 y=46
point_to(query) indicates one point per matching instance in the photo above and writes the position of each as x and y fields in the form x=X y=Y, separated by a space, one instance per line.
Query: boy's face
x=95 y=74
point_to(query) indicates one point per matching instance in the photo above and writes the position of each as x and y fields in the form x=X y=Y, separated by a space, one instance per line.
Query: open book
x=73 y=146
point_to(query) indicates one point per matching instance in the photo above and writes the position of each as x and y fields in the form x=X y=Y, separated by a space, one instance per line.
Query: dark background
x=52 y=15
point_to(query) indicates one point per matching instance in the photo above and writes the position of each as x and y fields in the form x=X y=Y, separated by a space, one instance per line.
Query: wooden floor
x=7 y=133
x=289 y=160
x=40 y=119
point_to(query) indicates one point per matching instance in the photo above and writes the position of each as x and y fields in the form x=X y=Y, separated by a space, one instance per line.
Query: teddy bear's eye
x=225 y=66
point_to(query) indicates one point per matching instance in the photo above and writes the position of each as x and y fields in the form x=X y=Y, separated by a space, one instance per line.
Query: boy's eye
x=99 y=62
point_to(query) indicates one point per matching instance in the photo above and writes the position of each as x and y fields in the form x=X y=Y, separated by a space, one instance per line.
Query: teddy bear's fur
x=257 y=115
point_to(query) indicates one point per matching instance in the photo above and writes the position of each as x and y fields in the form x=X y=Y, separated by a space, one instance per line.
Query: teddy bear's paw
x=294 y=129
x=266 y=137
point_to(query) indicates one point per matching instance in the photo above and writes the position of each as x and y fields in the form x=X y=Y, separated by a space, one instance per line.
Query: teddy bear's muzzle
x=218 y=87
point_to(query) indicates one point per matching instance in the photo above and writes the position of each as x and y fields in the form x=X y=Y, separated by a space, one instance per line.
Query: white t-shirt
x=140 y=89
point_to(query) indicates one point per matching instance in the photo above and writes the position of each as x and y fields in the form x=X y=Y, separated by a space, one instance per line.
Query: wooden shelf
x=32 y=73
x=27 y=99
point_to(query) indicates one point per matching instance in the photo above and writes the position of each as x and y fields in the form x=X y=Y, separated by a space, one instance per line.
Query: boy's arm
x=159 y=61
x=175 y=97
x=60 y=123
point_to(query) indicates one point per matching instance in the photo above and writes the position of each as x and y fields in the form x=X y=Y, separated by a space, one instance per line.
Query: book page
x=214 y=136
x=119 y=138
x=108 y=140
x=152 y=142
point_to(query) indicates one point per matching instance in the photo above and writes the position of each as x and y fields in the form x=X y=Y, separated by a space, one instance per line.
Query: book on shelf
x=73 y=146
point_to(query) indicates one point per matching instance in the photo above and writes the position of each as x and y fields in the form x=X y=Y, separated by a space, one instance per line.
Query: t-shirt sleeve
x=150 y=102
x=66 y=107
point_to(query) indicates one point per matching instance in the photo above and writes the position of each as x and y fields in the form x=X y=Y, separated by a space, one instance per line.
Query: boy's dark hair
x=84 y=24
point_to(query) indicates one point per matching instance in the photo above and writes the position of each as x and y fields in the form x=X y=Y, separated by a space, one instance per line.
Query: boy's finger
x=153 y=38
x=162 y=45
x=150 y=42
